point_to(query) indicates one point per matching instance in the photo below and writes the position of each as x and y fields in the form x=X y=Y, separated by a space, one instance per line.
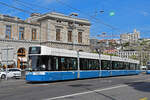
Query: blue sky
x=129 y=14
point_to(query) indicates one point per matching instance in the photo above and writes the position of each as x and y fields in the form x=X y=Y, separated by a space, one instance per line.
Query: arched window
x=21 y=52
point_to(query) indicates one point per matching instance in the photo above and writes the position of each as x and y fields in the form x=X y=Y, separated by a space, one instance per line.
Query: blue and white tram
x=51 y=64
x=148 y=68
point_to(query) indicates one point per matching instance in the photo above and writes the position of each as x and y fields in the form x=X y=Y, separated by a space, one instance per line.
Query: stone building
x=105 y=45
x=50 y=29
x=130 y=37
x=142 y=56
x=127 y=54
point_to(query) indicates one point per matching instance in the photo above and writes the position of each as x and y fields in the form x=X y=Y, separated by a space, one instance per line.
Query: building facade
x=105 y=45
x=142 y=56
x=130 y=37
x=51 y=29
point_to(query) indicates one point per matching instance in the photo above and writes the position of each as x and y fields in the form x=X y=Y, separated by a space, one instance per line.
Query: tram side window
x=115 y=65
x=74 y=64
x=105 y=65
x=148 y=67
x=96 y=65
x=126 y=65
x=62 y=64
x=55 y=63
x=109 y=64
x=67 y=63
x=121 y=65
x=89 y=64
x=132 y=66
x=84 y=64
x=93 y=64
x=136 y=66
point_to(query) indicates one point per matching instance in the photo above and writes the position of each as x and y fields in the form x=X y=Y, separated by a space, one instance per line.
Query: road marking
x=99 y=90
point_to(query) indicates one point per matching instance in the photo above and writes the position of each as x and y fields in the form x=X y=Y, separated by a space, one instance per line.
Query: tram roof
x=72 y=53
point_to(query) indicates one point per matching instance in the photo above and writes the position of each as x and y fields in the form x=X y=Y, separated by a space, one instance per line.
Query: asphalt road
x=112 y=88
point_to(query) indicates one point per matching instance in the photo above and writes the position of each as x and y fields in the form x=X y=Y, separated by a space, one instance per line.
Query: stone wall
x=16 y=45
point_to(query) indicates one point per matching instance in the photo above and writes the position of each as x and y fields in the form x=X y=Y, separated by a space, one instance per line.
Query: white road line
x=98 y=90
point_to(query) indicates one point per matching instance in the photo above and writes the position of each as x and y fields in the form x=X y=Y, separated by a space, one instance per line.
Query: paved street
x=112 y=88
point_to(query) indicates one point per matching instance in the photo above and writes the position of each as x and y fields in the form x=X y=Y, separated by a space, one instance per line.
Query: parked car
x=2 y=74
x=12 y=73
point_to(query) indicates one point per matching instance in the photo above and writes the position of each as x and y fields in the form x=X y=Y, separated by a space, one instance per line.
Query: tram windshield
x=39 y=63
x=50 y=63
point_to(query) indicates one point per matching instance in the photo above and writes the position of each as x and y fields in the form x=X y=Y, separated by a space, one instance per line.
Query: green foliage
x=110 y=54
x=126 y=44
x=94 y=52
x=133 y=57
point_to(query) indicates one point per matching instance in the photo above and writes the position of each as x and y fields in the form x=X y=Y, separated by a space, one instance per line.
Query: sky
x=129 y=14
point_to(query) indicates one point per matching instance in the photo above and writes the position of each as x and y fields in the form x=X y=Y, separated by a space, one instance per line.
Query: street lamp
x=73 y=14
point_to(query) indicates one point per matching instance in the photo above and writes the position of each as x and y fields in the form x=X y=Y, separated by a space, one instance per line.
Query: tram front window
x=38 y=63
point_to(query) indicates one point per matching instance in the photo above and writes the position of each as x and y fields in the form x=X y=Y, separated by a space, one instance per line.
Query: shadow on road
x=140 y=86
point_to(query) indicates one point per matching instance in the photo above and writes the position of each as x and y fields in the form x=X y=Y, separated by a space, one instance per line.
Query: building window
x=57 y=34
x=79 y=37
x=34 y=34
x=71 y=24
x=21 y=33
x=80 y=24
x=58 y=21
x=69 y=36
x=8 y=32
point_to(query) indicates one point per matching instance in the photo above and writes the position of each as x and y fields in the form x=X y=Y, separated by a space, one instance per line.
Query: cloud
x=144 y=13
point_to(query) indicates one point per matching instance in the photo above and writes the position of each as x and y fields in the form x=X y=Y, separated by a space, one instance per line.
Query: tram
x=148 y=68
x=53 y=64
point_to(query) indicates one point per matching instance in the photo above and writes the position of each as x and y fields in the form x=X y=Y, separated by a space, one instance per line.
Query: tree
x=134 y=57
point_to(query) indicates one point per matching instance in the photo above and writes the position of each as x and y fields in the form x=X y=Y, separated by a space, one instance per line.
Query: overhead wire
x=62 y=3
x=22 y=10
x=93 y=17
x=35 y=5
x=24 y=5
x=19 y=9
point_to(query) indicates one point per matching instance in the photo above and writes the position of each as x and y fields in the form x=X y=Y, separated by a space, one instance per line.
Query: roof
x=54 y=15
x=72 y=53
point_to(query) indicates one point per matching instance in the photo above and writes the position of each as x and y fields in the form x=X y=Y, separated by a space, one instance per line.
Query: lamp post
x=74 y=27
